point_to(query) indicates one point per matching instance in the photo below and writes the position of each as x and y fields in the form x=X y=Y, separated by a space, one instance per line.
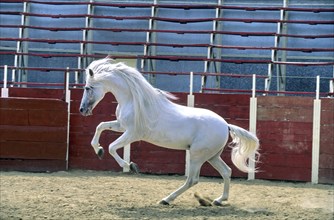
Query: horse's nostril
x=81 y=110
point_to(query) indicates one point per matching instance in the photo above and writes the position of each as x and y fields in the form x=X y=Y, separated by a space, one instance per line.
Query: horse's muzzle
x=85 y=111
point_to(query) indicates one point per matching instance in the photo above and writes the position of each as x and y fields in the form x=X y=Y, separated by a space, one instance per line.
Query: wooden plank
x=239 y=122
x=32 y=165
x=36 y=93
x=286 y=160
x=30 y=103
x=326 y=176
x=285 y=101
x=272 y=113
x=327 y=118
x=226 y=99
x=301 y=136
x=108 y=164
x=327 y=104
x=33 y=133
x=52 y=118
x=162 y=156
x=75 y=105
x=76 y=94
x=284 y=127
x=286 y=147
x=283 y=173
x=14 y=117
x=290 y=138
x=32 y=150
x=326 y=142
x=82 y=139
x=78 y=151
x=161 y=168
x=326 y=161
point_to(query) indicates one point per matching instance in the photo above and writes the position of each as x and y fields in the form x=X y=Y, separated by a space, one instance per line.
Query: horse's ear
x=91 y=73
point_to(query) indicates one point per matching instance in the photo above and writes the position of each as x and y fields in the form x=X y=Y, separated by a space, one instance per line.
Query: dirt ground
x=110 y=195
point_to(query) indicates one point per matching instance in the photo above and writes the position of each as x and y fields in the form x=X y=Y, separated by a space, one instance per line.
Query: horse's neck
x=122 y=99
x=120 y=91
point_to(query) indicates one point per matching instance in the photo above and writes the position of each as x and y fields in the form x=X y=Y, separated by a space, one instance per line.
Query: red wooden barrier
x=33 y=134
x=326 y=160
x=284 y=127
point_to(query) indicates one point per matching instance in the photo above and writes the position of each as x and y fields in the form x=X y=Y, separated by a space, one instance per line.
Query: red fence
x=326 y=165
x=33 y=134
x=284 y=127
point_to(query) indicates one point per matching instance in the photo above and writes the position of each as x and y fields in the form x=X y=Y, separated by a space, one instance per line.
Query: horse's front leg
x=120 y=142
x=108 y=125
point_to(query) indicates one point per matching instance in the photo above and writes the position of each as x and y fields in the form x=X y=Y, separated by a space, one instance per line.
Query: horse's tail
x=244 y=145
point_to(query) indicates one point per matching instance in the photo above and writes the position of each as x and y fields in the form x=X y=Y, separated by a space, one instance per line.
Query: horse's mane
x=147 y=100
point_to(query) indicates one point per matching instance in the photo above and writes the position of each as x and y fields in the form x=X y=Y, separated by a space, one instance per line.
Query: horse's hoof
x=134 y=168
x=216 y=203
x=100 y=153
x=163 y=202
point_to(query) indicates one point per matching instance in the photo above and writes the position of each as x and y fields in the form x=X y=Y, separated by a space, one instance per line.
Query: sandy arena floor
x=109 y=195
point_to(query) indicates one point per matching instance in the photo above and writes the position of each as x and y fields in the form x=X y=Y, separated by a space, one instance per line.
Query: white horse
x=148 y=114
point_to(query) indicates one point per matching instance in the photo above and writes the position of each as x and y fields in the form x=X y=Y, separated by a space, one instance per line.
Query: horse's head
x=93 y=93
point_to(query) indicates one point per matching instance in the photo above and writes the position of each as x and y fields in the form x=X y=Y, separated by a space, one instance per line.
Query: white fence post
x=4 y=90
x=190 y=103
x=252 y=124
x=68 y=101
x=316 y=134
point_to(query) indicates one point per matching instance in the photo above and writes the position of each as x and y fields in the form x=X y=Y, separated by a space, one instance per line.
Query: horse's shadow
x=179 y=211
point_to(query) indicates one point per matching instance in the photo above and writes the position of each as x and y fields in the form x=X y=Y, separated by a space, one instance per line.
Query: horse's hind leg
x=225 y=171
x=192 y=179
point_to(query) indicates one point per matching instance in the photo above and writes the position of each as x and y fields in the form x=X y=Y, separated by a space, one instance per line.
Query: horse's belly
x=171 y=141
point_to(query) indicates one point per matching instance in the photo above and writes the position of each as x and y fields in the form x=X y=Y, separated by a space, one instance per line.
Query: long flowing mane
x=147 y=100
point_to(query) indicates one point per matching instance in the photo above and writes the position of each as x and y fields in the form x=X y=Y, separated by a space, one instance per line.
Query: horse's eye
x=87 y=88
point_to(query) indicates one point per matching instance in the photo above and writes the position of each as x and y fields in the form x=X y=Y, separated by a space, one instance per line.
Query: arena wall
x=33 y=134
x=326 y=165
x=284 y=127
